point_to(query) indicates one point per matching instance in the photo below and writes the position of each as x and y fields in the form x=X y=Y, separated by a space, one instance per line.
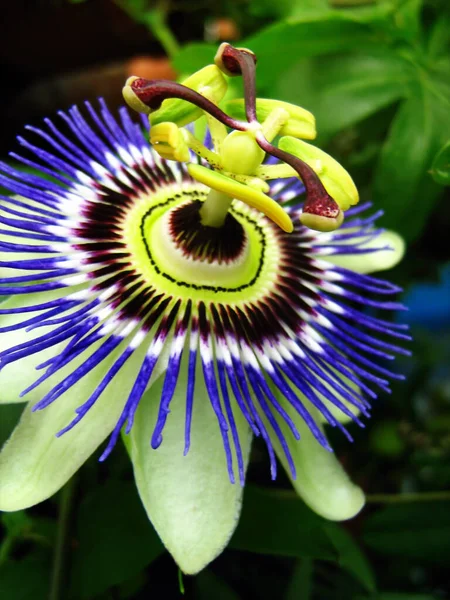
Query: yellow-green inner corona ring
x=164 y=262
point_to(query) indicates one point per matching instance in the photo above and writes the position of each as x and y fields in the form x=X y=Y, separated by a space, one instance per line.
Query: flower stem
x=155 y=20
x=6 y=548
x=301 y=582
x=387 y=498
x=215 y=209
x=404 y=498
x=64 y=522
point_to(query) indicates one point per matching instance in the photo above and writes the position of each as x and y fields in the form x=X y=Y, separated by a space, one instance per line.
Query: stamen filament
x=217 y=129
x=273 y=124
x=281 y=171
x=196 y=146
x=218 y=132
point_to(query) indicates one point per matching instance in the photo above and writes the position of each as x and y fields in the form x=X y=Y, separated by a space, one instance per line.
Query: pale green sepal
x=301 y=122
x=34 y=463
x=182 y=112
x=335 y=410
x=16 y=376
x=321 y=480
x=373 y=261
x=334 y=177
x=189 y=499
x=10 y=236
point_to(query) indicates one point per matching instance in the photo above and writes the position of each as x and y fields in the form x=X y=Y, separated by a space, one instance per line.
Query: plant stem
x=156 y=22
x=64 y=522
x=403 y=498
x=387 y=498
x=5 y=549
x=300 y=585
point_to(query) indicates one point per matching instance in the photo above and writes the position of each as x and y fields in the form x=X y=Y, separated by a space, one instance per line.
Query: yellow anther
x=167 y=139
x=196 y=146
x=182 y=112
x=234 y=189
x=300 y=124
x=274 y=123
x=334 y=177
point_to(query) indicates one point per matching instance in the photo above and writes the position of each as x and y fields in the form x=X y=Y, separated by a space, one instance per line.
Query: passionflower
x=168 y=292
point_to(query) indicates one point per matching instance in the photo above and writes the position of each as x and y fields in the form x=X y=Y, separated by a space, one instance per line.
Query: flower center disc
x=178 y=255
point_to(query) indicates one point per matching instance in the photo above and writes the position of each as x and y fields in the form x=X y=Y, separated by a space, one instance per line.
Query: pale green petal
x=321 y=481
x=189 y=499
x=373 y=261
x=17 y=376
x=335 y=410
x=11 y=238
x=34 y=464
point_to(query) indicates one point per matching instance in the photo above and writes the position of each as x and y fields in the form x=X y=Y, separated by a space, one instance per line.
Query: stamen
x=168 y=141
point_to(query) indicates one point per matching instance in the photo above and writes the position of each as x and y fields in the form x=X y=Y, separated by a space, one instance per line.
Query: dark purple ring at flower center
x=211 y=244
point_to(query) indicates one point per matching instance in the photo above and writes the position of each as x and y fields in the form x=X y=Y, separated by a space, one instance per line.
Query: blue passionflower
x=188 y=304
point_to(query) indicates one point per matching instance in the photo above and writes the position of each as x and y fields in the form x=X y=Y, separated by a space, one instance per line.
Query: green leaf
x=282 y=8
x=351 y=557
x=402 y=185
x=404 y=596
x=344 y=89
x=279 y=523
x=420 y=531
x=439 y=38
x=115 y=539
x=208 y=585
x=16 y=523
x=9 y=417
x=301 y=583
x=294 y=40
x=193 y=57
x=304 y=9
x=406 y=20
x=374 y=13
x=27 y=579
x=441 y=165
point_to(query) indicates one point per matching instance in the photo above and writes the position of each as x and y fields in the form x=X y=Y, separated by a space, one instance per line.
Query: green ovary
x=164 y=265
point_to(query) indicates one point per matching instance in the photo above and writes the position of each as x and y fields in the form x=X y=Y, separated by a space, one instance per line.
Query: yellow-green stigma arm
x=234 y=189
